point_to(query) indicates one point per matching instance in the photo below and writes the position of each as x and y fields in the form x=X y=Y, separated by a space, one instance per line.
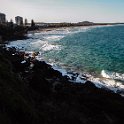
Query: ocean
x=96 y=52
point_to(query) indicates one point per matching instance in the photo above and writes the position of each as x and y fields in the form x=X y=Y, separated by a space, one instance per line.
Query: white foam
x=34 y=45
x=53 y=37
x=23 y=62
x=111 y=84
x=63 y=71
x=44 y=40
x=112 y=75
x=70 y=75
x=80 y=80
x=48 y=47
x=20 y=44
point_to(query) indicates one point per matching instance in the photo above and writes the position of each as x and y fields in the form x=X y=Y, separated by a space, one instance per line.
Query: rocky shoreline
x=33 y=92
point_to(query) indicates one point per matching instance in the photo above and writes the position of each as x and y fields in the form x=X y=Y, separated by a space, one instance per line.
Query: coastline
x=106 y=83
x=49 y=95
x=64 y=27
x=33 y=92
x=101 y=81
x=77 y=76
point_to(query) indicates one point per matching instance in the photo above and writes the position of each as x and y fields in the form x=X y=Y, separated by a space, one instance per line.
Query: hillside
x=40 y=95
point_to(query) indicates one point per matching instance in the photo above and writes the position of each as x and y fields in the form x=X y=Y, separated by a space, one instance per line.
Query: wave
x=46 y=41
x=34 y=45
x=72 y=76
x=48 y=47
x=109 y=80
x=112 y=75
x=105 y=81
x=53 y=38
x=114 y=85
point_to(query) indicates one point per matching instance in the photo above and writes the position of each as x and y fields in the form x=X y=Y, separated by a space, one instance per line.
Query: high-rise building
x=2 y=18
x=19 y=20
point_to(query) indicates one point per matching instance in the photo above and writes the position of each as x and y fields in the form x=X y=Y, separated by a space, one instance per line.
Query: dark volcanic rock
x=40 y=95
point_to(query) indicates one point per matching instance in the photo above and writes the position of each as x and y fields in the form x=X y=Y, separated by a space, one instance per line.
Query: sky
x=64 y=10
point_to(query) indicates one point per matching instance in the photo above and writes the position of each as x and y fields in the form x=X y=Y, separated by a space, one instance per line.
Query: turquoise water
x=87 y=49
x=94 y=50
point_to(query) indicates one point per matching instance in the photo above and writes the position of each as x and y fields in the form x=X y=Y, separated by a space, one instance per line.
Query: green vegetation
x=10 y=31
x=15 y=102
x=42 y=96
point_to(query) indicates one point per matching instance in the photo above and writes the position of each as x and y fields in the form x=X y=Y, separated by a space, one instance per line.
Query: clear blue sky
x=65 y=10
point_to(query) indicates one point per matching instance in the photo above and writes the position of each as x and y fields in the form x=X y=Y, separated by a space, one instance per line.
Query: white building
x=19 y=20
x=2 y=18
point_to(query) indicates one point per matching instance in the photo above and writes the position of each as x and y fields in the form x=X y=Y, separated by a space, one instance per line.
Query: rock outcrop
x=40 y=95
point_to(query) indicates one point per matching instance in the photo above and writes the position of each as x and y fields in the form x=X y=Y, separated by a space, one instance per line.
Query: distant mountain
x=85 y=22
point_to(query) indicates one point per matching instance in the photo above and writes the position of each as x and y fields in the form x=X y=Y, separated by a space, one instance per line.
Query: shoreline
x=80 y=77
x=98 y=81
x=75 y=77
x=64 y=27
x=35 y=93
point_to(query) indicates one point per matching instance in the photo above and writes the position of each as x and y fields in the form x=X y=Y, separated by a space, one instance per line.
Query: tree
x=11 y=23
x=26 y=21
x=21 y=22
x=32 y=23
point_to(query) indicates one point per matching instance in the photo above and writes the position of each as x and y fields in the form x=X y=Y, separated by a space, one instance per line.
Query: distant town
x=17 y=29
x=24 y=22
x=18 y=20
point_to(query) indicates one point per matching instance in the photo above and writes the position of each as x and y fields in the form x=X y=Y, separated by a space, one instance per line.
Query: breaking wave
x=112 y=75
